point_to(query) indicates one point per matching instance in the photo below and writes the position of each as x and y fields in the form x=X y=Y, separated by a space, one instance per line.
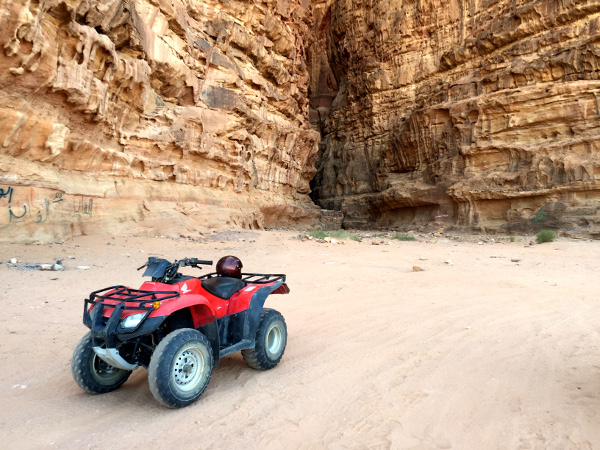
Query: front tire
x=91 y=373
x=180 y=368
x=270 y=342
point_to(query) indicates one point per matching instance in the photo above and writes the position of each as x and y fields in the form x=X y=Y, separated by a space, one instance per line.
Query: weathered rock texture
x=474 y=113
x=165 y=115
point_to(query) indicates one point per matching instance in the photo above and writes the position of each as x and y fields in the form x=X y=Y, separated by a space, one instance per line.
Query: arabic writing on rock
x=20 y=209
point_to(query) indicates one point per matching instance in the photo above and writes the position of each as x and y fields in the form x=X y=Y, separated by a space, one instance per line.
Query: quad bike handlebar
x=192 y=262
x=164 y=271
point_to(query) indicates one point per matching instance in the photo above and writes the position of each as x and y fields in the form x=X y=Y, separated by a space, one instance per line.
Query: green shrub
x=318 y=234
x=545 y=236
x=403 y=237
x=511 y=238
x=339 y=234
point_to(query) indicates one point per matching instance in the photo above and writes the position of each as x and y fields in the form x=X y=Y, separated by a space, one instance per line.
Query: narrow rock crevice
x=475 y=115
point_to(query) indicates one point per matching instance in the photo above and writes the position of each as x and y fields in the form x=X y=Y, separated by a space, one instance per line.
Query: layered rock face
x=475 y=113
x=158 y=115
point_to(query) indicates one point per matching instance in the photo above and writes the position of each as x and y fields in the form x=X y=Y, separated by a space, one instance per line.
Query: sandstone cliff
x=166 y=116
x=475 y=113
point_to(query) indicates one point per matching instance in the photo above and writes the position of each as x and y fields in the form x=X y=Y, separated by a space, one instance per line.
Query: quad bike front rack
x=125 y=299
x=125 y=294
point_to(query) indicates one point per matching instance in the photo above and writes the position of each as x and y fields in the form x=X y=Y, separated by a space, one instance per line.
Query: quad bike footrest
x=242 y=345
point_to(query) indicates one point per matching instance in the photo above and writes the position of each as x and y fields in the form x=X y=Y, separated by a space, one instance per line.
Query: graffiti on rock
x=6 y=193
x=541 y=217
x=15 y=212
x=83 y=207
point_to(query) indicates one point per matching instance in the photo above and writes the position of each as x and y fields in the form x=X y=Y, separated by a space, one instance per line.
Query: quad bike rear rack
x=252 y=278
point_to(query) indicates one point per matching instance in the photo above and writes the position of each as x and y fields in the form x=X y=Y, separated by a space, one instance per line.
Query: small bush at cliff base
x=545 y=236
x=403 y=237
x=339 y=234
x=343 y=234
x=318 y=234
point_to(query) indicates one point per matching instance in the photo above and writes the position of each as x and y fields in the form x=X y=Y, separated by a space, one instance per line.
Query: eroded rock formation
x=165 y=115
x=181 y=115
x=476 y=113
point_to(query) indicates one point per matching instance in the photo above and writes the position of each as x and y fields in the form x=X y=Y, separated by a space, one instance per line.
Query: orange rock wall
x=161 y=116
x=470 y=113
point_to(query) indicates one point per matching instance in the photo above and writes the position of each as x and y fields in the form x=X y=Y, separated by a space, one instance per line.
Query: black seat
x=223 y=287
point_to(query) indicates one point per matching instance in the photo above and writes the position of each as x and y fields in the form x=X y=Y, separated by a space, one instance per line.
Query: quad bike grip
x=200 y=261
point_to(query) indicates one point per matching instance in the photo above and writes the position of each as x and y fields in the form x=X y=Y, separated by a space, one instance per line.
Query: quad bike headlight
x=132 y=321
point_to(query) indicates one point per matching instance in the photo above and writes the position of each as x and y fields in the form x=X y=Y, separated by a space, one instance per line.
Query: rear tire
x=91 y=373
x=180 y=368
x=270 y=341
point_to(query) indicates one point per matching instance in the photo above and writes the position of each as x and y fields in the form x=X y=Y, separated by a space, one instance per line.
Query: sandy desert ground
x=485 y=353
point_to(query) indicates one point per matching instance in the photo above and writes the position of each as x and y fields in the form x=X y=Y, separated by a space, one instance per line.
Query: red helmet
x=229 y=266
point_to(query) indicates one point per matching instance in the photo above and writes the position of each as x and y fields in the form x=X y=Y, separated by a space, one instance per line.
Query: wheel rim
x=274 y=342
x=189 y=368
x=104 y=371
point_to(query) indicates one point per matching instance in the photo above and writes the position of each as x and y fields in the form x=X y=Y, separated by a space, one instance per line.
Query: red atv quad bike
x=178 y=327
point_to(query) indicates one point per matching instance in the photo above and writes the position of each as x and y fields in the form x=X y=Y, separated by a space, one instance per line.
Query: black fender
x=211 y=331
x=151 y=324
x=183 y=317
x=252 y=319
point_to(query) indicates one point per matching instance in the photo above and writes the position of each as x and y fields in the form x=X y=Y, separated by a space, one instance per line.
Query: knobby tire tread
x=159 y=376
x=257 y=357
x=79 y=369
